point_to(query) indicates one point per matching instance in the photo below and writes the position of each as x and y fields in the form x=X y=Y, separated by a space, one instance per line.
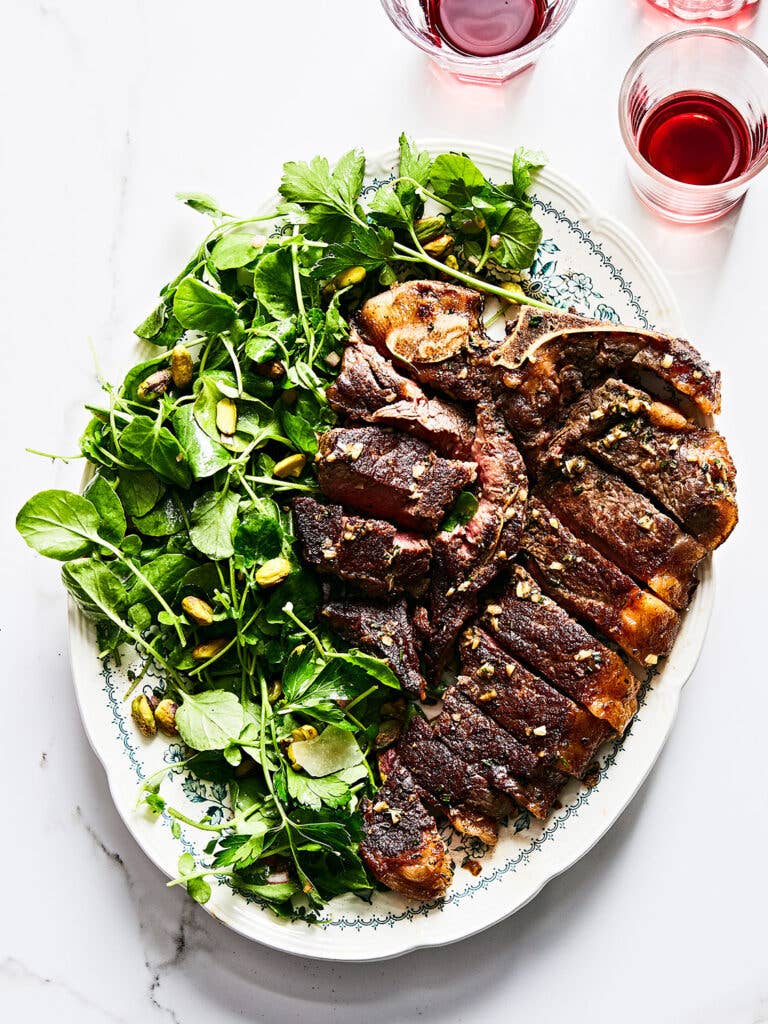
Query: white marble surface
x=106 y=110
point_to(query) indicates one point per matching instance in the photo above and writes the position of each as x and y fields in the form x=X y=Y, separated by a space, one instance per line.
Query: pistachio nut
x=349 y=277
x=226 y=416
x=439 y=246
x=452 y=262
x=143 y=716
x=156 y=384
x=165 y=717
x=273 y=572
x=516 y=293
x=181 y=366
x=292 y=465
x=275 y=691
x=428 y=228
x=199 y=611
x=209 y=648
x=304 y=733
x=273 y=369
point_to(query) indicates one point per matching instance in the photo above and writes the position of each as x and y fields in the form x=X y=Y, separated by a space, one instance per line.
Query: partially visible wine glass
x=696 y=10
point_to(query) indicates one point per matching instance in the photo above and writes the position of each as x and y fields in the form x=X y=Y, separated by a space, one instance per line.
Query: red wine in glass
x=696 y=137
x=485 y=28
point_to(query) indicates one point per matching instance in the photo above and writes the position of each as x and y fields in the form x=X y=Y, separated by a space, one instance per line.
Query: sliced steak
x=371 y=553
x=555 y=728
x=627 y=528
x=384 y=630
x=577 y=576
x=468 y=558
x=370 y=389
x=389 y=475
x=550 y=359
x=685 y=468
x=495 y=754
x=448 y=779
x=401 y=846
x=434 y=329
x=539 y=633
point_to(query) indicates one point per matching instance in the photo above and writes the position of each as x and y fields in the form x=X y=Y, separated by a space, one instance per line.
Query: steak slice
x=539 y=633
x=685 y=468
x=555 y=728
x=371 y=553
x=495 y=754
x=401 y=846
x=575 y=575
x=628 y=529
x=466 y=559
x=389 y=475
x=370 y=389
x=446 y=778
x=384 y=630
x=550 y=359
x=434 y=329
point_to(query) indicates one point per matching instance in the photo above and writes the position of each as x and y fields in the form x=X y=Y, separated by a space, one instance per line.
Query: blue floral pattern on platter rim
x=605 y=293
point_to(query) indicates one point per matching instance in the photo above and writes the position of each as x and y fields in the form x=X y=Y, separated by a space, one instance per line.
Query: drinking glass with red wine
x=693 y=111
x=485 y=41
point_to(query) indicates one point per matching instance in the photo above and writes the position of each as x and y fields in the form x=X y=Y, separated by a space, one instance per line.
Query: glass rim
x=467 y=60
x=628 y=136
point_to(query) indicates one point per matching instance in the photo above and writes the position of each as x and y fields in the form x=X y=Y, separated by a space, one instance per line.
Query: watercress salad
x=181 y=547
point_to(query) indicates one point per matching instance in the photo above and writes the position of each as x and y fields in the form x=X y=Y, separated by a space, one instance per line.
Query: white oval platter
x=586 y=260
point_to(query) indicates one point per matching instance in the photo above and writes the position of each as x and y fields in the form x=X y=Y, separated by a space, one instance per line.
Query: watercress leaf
x=165 y=573
x=273 y=283
x=164 y=520
x=158 y=449
x=374 y=667
x=200 y=308
x=139 y=373
x=199 y=890
x=153 y=324
x=59 y=524
x=95 y=588
x=202 y=579
x=455 y=178
x=139 y=490
x=202 y=203
x=463 y=510
x=259 y=535
x=233 y=754
x=302 y=591
x=204 y=454
x=186 y=864
x=213 y=520
x=210 y=720
x=233 y=251
x=101 y=493
x=519 y=238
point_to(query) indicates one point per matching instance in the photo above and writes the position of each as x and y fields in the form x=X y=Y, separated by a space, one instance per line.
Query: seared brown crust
x=687 y=469
x=539 y=633
x=446 y=779
x=370 y=389
x=550 y=359
x=385 y=630
x=401 y=846
x=495 y=754
x=577 y=576
x=371 y=553
x=555 y=728
x=468 y=558
x=434 y=329
x=627 y=528
x=389 y=475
